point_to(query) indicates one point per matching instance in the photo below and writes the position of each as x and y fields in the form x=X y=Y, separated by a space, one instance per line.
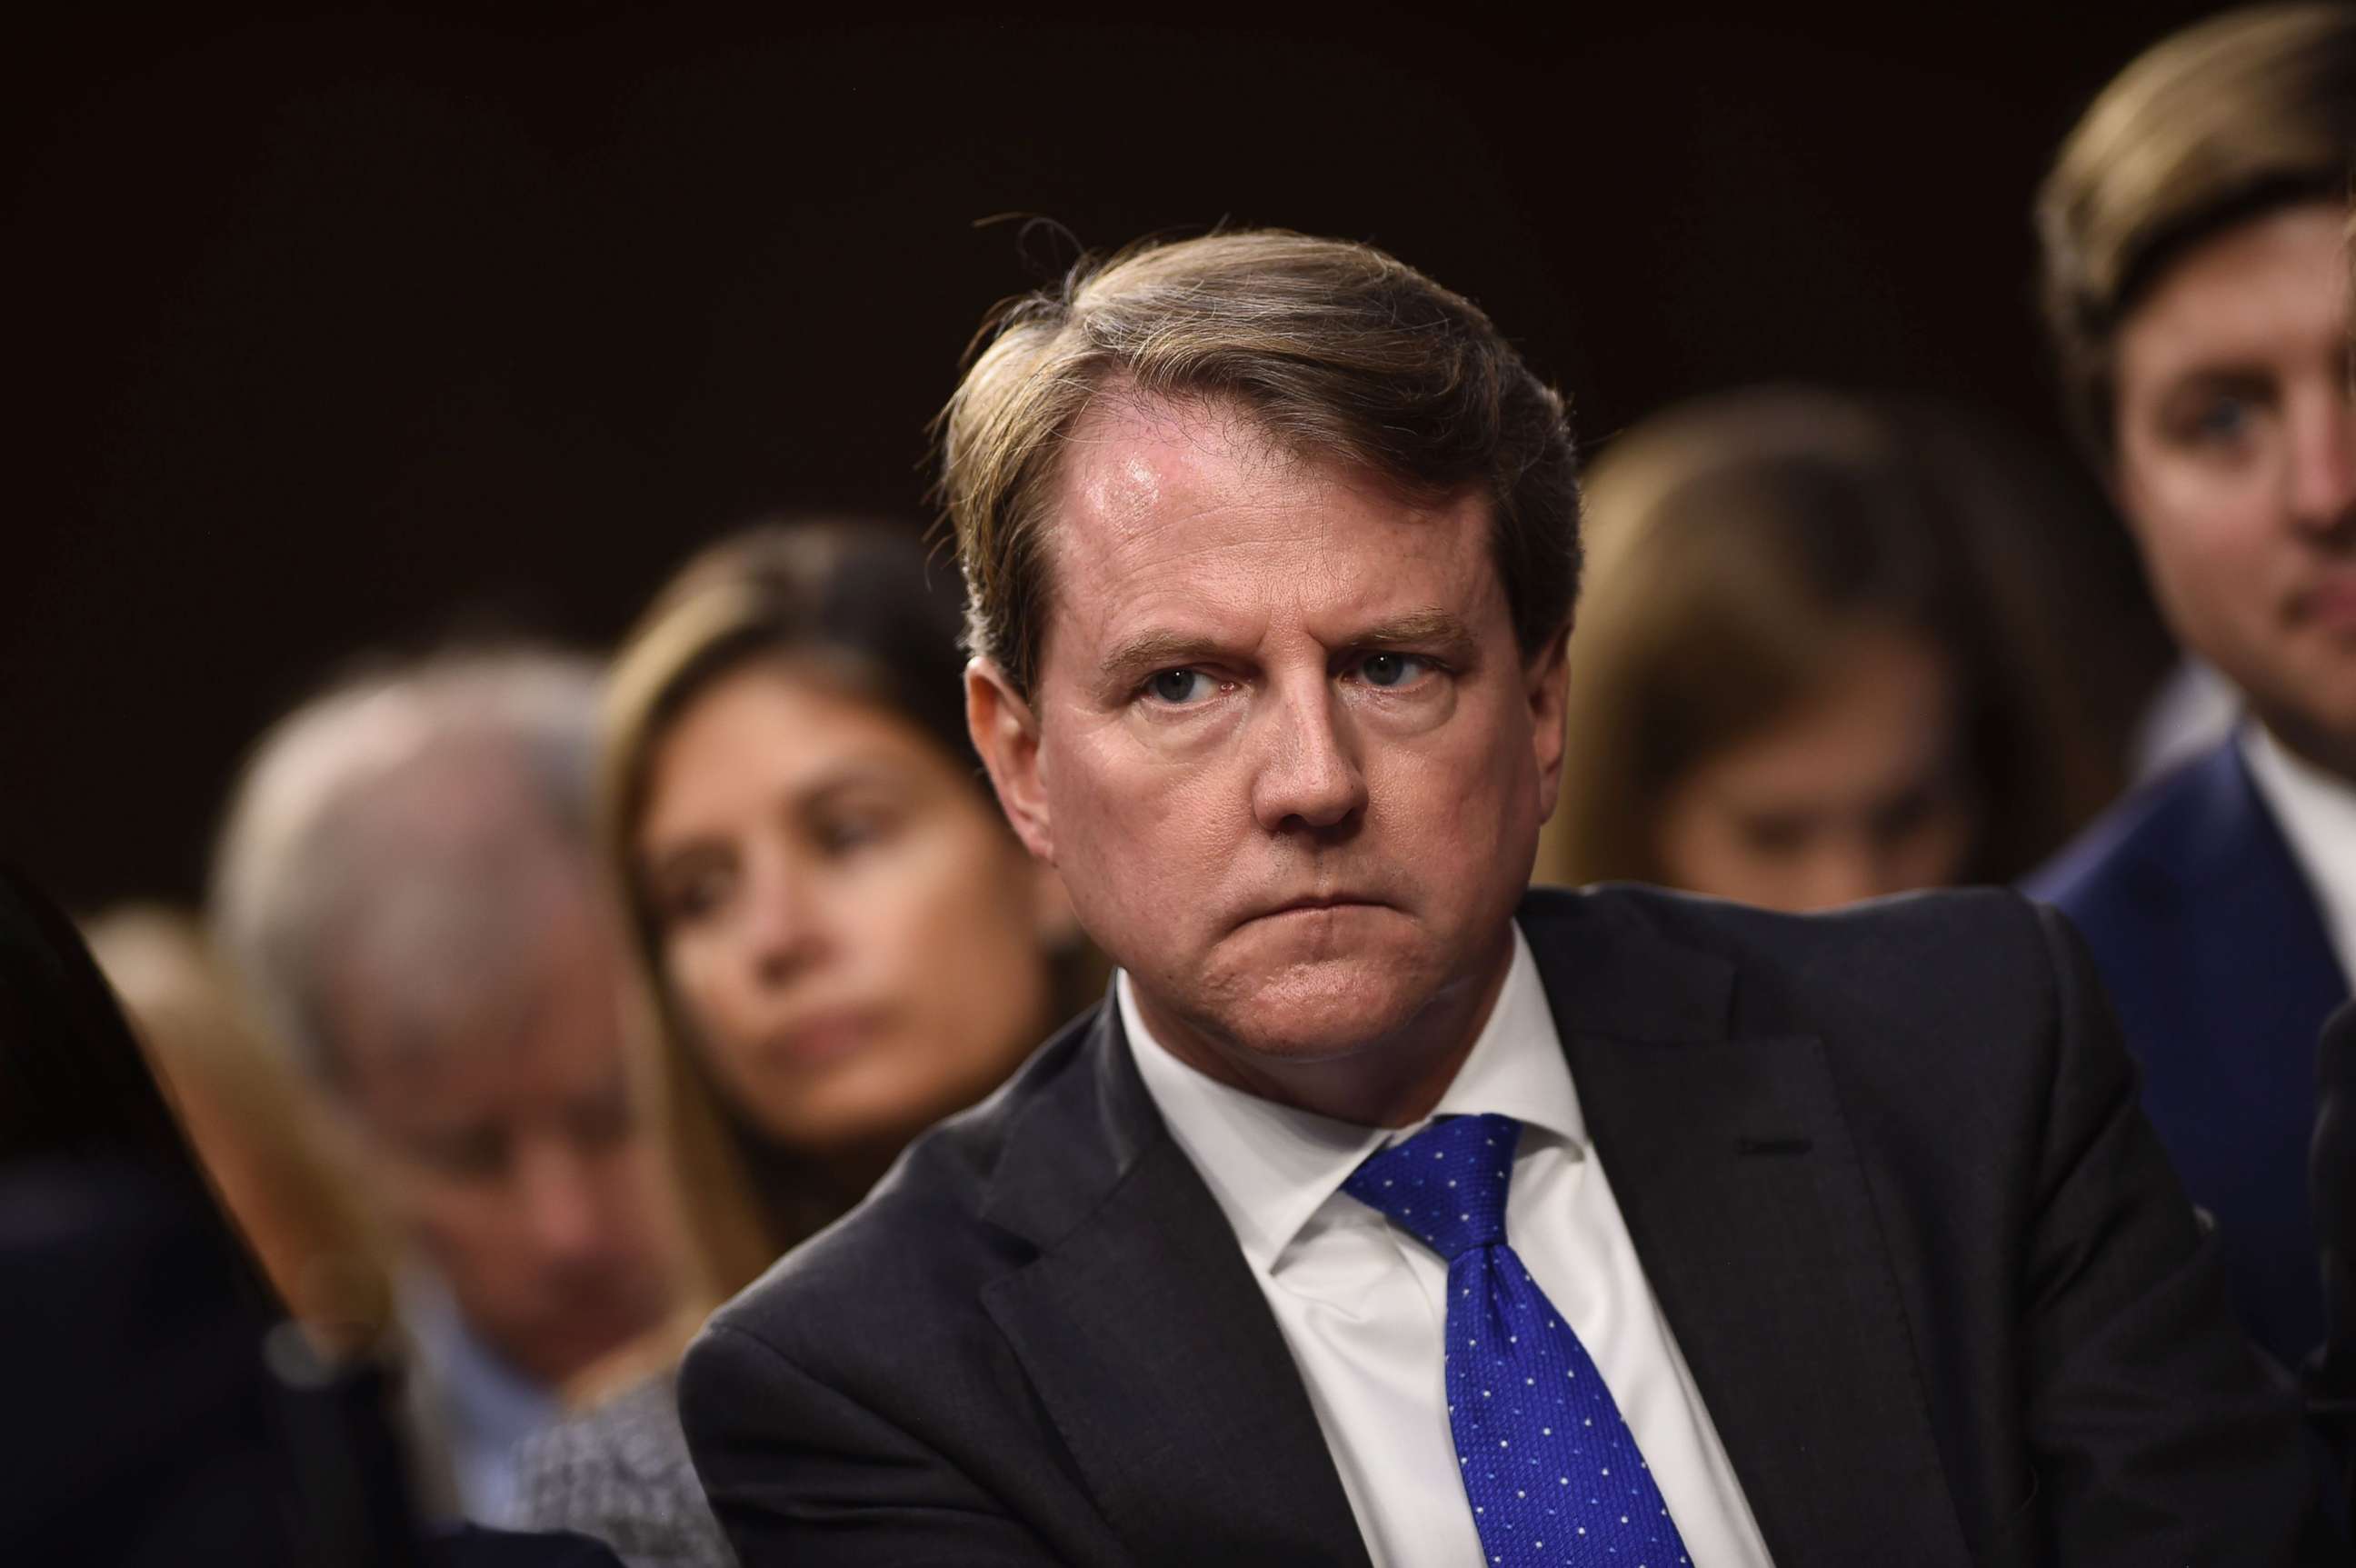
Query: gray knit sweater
x=619 y=1472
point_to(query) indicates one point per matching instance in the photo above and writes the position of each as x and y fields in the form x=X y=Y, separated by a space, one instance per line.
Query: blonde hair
x=1332 y=349
x=1734 y=546
x=270 y=1156
x=2214 y=125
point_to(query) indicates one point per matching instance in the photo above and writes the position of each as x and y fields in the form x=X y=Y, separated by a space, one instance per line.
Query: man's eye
x=603 y=1121
x=2223 y=420
x=474 y=1154
x=1393 y=669
x=1179 y=686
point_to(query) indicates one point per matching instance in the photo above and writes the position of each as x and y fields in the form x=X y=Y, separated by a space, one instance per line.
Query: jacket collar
x=1148 y=1341
x=1146 y=1338
x=1743 y=1192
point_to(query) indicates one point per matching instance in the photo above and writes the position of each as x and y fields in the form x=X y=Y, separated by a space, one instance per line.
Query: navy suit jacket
x=2214 y=953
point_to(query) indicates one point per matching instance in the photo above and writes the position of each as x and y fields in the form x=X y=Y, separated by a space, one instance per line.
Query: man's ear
x=1006 y=735
x=1547 y=681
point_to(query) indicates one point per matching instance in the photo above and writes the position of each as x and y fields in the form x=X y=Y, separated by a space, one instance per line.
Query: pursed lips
x=1316 y=903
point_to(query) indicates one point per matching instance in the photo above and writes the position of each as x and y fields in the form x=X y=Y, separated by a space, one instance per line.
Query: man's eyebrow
x=1427 y=628
x=1148 y=651
x=2229 y=372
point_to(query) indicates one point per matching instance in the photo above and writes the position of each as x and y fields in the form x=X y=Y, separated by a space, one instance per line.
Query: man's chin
x=1322 y=1008
x=561 y=1353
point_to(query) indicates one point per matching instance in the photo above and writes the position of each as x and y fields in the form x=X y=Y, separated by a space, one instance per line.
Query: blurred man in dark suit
x=1388 y=1213
x=2197 y=288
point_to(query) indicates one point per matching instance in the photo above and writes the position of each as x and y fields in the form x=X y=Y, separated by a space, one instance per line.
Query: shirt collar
x=486 y=1399
x=1272 y=1166
x=2316 y=812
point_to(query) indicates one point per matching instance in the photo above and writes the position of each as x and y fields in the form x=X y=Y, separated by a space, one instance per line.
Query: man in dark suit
x=1386 y=1213
x=2196 y=282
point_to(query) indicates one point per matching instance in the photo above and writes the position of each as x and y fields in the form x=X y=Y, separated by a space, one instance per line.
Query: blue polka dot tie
x=1551 y=1470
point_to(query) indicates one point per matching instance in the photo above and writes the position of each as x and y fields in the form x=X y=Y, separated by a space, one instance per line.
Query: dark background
x=354 y=328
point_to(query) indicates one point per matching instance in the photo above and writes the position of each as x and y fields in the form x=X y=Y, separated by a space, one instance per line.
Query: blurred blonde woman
x=1832 y=651
x=840 y=939
x=266 y=1148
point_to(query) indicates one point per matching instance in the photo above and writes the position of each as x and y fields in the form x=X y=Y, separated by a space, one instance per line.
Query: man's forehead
x=1133 y=465
x=540 y=1013
x=2276 y=284
x=1166 y=506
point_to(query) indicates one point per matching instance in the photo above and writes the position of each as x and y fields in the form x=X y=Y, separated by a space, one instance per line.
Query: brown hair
x=2222 y=122
x=861 y=604
x=1332 y=349
x=1738 y=542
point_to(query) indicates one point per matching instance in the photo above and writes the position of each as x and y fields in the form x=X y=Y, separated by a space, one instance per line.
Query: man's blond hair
x=1333 y=349
x=2212 y=126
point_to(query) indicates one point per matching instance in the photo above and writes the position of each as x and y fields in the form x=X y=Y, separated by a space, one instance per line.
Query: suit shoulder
x=1949 y=923
x=2118 y=854
x=918 y=1239
x=1982 y=962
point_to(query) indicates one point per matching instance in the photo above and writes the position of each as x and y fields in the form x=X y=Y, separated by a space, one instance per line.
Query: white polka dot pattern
x=1552 y=1472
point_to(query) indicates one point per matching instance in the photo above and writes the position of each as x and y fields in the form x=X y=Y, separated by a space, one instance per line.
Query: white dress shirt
x=2317 y=812
x=1362 y=1304
x=476 y=1408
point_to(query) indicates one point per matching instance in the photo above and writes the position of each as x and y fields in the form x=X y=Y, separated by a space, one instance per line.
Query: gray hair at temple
x=401 y=836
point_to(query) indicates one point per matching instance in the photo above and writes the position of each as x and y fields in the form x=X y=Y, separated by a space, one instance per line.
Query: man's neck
x=1394 y=1080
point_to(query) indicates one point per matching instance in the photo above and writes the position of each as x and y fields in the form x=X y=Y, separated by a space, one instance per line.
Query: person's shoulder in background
x=1913 y=965
x=2106 y=874
x=124 y=1327
x=619 y=1472
x=922 y=1244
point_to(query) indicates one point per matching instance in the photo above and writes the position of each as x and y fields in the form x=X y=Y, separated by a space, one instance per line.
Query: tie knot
x=1446 y=1185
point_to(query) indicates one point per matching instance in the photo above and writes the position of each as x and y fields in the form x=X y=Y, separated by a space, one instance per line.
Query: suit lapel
x=1149 y=1343
x=2231 y=1084
x=1735 y=1175
x=2264 y=960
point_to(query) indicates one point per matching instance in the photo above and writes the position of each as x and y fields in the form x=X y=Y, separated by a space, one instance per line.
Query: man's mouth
x=1319 y=903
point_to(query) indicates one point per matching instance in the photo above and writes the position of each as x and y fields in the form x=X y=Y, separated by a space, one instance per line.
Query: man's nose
x=2323 y=465
x=564 y=1217
x=1309 y=775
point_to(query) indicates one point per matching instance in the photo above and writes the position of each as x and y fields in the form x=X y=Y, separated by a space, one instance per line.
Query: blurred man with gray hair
x=405 y=885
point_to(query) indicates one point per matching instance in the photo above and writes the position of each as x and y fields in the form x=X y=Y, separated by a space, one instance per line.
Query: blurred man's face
x=1283 y=746
x=2237 y=467
x=508 y=1151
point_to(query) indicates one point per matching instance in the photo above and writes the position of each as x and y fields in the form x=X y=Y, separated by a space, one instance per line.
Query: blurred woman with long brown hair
x=840 y=940
x=1831 y=649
